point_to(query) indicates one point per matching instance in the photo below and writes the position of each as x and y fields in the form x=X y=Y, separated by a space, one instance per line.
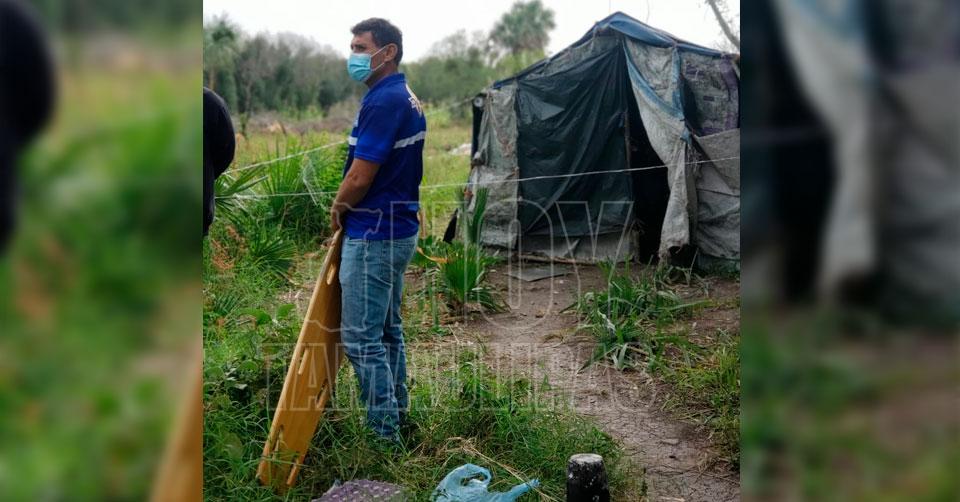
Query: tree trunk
x=723 y=24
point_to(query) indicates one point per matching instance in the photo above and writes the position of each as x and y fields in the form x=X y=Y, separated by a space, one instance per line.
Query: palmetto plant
x=461 y=278
x=284 y=178
x=301 y=190
x=322 y=173
x=231 y=184
x=269 y=251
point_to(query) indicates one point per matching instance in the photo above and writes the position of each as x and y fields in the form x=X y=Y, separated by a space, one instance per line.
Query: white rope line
x=285 y=157
x=449 y=185
x=328 y=145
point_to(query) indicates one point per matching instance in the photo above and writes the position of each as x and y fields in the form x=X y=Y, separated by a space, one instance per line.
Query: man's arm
x=219 y=135
x=352 y=189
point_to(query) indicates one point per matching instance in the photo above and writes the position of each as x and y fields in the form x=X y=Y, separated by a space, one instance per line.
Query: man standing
x=377 y=207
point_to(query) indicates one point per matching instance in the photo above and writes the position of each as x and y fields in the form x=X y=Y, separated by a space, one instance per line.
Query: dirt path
x=535 y=338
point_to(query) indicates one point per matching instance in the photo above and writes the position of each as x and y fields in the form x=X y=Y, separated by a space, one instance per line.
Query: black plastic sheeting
x=574 y=123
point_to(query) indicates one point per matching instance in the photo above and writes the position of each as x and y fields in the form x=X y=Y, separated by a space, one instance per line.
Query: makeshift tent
x=656 y=118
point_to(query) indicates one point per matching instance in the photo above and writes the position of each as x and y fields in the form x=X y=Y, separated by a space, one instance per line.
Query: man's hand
x=336 y=213
x=352 y=189
x=334 y=219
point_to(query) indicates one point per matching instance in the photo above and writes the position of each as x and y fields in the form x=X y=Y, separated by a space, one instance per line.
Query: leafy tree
x=524 y=28
x=455 y=68
x=294 y=74
x=220 y=40
x=254 y=65
x=284 y=72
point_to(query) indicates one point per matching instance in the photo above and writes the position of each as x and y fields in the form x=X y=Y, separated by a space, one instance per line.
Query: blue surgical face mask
x=358 y=65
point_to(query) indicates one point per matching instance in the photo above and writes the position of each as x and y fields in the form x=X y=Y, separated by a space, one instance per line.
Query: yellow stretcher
x=310 y=379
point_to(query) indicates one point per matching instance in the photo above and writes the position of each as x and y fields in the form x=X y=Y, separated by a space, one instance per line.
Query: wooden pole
x=587 y=479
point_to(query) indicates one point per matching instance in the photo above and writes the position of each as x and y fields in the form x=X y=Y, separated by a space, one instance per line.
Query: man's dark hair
x=383 y=33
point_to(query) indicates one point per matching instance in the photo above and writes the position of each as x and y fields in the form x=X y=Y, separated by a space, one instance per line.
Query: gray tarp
x=718 y=195
x=497 y=154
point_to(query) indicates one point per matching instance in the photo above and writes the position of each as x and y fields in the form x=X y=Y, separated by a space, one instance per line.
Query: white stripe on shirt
x=411 y=140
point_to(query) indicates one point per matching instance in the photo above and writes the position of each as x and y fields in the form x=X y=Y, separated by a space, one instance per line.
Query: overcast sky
x=424 y=22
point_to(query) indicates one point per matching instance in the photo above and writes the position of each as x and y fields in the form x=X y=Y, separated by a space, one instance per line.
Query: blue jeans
x=371 y=278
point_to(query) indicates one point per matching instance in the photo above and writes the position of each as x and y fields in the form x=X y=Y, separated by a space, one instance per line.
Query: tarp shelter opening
x=657 y=119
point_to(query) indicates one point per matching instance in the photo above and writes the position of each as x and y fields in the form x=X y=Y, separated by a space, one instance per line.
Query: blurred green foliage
x=87 y=16
x=832 y=412
x=100 y=299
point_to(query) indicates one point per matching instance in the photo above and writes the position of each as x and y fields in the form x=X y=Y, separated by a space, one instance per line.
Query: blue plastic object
x=461 y=485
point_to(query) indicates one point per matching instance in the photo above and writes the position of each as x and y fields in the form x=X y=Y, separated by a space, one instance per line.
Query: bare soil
x=537 y=338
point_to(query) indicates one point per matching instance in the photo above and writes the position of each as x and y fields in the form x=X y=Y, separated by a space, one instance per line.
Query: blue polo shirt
x=389 y=130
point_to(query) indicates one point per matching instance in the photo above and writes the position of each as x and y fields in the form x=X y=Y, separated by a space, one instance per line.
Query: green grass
x=258 y=251
x=461 y=413
x=442 y=168
x=705 y=388
x=830 y=416
x=631 y=318
x=261 y=146
x=636 y=322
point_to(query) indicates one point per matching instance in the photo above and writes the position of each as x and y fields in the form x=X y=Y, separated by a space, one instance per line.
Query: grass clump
x=636 y=322
x=451 y=282
x=705 y=388
x=457 y=270
x=630 y=318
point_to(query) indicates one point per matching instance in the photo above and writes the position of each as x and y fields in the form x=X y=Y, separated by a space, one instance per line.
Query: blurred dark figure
x=219 y=144
x=850 y=155
x=787 y=167
x=26 y=98
x=851 y=200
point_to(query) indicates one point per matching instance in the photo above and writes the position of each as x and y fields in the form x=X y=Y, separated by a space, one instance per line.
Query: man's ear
x=392 y=51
